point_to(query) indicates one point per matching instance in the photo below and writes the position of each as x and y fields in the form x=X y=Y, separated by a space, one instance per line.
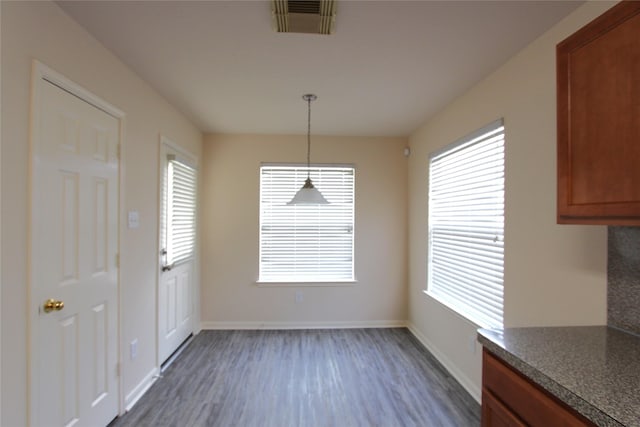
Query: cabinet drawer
x=496 y=414
x=530 y=403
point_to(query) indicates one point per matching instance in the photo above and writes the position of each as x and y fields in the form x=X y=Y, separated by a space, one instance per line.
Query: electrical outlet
x=133 y=349
x=299 y=297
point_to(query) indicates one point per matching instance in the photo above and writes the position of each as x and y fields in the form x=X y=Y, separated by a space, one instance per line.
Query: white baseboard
x=139 y=390
x=456 y=373
x=305 y=325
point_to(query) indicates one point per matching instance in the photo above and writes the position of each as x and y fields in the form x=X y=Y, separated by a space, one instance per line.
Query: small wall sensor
x=407 y=151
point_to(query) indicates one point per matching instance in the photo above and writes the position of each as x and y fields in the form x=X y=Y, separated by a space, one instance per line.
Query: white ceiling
x=387 y=68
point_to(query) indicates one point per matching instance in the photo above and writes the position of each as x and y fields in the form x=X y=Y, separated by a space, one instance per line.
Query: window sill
x=305 y=284
x=453 y=310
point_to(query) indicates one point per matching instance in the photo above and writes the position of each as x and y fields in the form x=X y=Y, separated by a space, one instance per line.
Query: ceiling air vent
x=304 y=16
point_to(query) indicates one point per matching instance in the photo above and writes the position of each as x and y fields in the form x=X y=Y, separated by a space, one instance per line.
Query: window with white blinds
x=306 y=243
x=180 y=210
x=466 y=226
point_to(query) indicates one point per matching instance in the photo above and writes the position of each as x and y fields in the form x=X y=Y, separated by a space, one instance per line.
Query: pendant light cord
x=309 y=137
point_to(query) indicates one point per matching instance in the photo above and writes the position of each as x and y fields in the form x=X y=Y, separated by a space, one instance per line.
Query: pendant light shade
x=308 y=194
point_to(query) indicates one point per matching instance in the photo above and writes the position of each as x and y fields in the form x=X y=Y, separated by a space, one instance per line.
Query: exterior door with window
x=177 y=248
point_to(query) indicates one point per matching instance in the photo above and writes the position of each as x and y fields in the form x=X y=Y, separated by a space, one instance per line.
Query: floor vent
x=304 y=16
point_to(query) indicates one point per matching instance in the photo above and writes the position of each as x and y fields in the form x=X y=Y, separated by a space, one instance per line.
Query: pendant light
x=308 y=194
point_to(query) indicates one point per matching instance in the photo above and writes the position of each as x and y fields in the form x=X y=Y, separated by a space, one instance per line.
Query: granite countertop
x=593 y=369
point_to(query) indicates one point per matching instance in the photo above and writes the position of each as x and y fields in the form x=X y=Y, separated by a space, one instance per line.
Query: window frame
x=458 y=306
x=263 y=281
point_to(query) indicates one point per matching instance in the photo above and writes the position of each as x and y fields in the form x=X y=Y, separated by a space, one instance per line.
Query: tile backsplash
x=623 y=276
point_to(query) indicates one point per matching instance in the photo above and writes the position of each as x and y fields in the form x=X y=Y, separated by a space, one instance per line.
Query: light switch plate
x=133 y=219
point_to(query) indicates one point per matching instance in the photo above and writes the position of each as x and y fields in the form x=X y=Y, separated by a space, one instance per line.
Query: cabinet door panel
x=598 y=71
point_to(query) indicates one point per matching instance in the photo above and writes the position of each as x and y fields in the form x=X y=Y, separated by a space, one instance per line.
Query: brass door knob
x=52 y=305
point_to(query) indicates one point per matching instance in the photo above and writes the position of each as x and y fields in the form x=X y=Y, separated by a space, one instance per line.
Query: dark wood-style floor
x=305 y=378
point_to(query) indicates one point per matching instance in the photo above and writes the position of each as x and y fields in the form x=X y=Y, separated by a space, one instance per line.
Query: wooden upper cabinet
x=598 y=78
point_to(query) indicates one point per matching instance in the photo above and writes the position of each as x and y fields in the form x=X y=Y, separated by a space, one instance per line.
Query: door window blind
x=306 y=243
x=181 y=210
x=466 y=226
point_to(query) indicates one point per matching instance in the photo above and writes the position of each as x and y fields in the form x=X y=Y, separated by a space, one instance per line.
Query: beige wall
x=554 y=274
x=230 y=216
x=42 y=31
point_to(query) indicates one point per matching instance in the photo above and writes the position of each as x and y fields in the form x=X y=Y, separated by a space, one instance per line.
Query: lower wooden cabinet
x=511 y=400
x=496 y=414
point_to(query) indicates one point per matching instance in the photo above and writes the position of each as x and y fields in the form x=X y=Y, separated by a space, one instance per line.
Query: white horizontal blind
x=306 y=243
x=181 y=211
x=466 y=226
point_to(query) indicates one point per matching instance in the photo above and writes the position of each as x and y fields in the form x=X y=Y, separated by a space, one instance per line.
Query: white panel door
x=74 y=272
x=178 y=248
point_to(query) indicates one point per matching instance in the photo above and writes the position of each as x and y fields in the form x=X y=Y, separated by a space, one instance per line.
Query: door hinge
x=117 y=260
x=118 y=151
x=117 y=369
